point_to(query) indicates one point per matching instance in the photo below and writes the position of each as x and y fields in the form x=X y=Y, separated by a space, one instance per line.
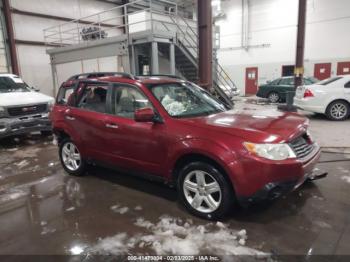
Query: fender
x=222 y=155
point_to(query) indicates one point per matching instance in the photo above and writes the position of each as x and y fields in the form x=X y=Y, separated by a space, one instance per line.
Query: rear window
x=329 y=81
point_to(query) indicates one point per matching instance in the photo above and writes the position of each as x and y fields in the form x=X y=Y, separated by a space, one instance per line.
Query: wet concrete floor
x=45 y=211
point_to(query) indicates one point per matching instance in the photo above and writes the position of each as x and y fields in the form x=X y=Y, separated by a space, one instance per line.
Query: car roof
x=146 y=80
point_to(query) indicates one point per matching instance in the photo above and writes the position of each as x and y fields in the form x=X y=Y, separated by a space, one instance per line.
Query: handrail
x=104 y=22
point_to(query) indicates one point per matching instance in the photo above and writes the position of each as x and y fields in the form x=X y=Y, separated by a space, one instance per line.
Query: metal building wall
x=34 y=63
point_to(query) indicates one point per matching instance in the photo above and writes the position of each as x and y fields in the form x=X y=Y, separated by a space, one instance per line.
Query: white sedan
x=330 y=97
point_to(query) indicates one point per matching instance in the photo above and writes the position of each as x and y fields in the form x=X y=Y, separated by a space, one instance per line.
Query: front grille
x=27 y=110
x=302 y=146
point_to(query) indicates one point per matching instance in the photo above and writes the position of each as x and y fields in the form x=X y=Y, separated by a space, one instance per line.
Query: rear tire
x=274 y=97
x=71 y=159
x=205 y=191
x=338 y=111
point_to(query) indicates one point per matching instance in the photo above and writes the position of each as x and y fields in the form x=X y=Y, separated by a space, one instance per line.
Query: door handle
x=113 y=126
x=70 y=118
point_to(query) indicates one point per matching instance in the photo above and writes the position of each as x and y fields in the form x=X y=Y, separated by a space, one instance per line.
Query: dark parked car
x=171 y=130
x=276 y=90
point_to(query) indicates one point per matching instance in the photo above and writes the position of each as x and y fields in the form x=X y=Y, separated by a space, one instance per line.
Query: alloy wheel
x=71 y=156
x=202 y=191
x=274 y=97
x=339 y=111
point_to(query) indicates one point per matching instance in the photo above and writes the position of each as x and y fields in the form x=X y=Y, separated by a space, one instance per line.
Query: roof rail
x=169 y=76
x=101 y=74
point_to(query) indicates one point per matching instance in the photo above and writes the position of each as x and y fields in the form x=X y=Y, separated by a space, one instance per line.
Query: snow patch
x=119 y=210
x=346 y=179
x=138 y=208
x=171 y=236
x=22 y=164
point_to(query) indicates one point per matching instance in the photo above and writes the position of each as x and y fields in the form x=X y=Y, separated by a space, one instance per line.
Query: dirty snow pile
x=172 y=236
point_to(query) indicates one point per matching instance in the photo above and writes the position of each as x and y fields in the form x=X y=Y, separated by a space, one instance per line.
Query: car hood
x=258 y=126
x=23 y=98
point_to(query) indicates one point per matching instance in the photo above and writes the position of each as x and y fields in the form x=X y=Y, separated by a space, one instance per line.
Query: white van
x=22 y=109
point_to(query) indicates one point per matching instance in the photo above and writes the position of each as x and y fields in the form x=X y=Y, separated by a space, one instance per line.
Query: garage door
x=343 y=68
x=323 y=71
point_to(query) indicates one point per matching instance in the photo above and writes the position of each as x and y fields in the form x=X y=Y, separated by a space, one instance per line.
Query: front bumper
x=264 y=180
x=24 y=125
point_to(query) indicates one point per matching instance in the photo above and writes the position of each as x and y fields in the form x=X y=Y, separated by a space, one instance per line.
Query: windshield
x=8 y=85
x=182 y=100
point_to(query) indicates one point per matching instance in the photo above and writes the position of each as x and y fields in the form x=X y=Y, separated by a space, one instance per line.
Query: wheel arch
x=188 y=158
x=335 y=100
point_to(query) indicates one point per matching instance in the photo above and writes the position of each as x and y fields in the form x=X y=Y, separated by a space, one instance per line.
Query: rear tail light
x=308 y=93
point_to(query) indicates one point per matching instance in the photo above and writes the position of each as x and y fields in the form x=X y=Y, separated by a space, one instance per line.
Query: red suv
x=172 y=130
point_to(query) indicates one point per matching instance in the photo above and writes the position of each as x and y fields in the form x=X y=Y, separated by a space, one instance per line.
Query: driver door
x=134 y=146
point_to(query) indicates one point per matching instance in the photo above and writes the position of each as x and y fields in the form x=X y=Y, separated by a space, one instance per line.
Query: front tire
x=205 y=191
x=338 y=111
x=71 y=159
x=274 y=97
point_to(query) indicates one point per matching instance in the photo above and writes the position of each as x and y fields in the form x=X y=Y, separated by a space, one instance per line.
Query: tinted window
x=127 y=99
x=275 y=82
x=329 y=81
x=287 y=81
x=94 y=99
x=347 y=85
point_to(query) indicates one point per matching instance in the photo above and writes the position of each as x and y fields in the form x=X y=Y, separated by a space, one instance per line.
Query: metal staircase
x=123 y=33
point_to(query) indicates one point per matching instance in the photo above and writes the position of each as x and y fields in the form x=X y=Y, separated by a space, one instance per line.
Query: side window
x=128 y=99
x=307 y=81
x=93 y=98
x=347 y=85
x=287 y=82
x=65 y=95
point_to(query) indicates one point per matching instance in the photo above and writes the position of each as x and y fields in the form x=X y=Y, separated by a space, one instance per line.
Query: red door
x=251 y=81
x=343 y=68
x=323 y=71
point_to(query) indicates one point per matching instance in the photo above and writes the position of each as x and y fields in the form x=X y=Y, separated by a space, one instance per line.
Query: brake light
x=308 y=93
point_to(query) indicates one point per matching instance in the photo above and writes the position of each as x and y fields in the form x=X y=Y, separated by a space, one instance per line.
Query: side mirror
x=145 y=115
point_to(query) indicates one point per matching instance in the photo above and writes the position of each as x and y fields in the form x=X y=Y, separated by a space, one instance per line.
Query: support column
x=299 y=65
x=132 y=60
x=54 y=78
x=172 y=59
x=155 y=60
x=205 y=28
x=11 y=36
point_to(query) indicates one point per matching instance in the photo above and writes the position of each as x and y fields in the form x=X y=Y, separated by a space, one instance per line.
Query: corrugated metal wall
x=34 y=63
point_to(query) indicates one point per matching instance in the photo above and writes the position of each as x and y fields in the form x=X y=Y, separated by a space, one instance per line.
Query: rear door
x=86 y=119
x=133 y=145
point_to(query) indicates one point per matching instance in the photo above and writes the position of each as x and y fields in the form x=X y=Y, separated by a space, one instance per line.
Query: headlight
x=271 y=151
x=2 y=112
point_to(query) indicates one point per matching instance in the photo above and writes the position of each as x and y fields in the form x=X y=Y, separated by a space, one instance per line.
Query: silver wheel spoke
x=197 y=201
x=191 y=186
x=211 y=202
x=66 y=151
x=76 y=157
x=200 y=179
x=212 y=188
